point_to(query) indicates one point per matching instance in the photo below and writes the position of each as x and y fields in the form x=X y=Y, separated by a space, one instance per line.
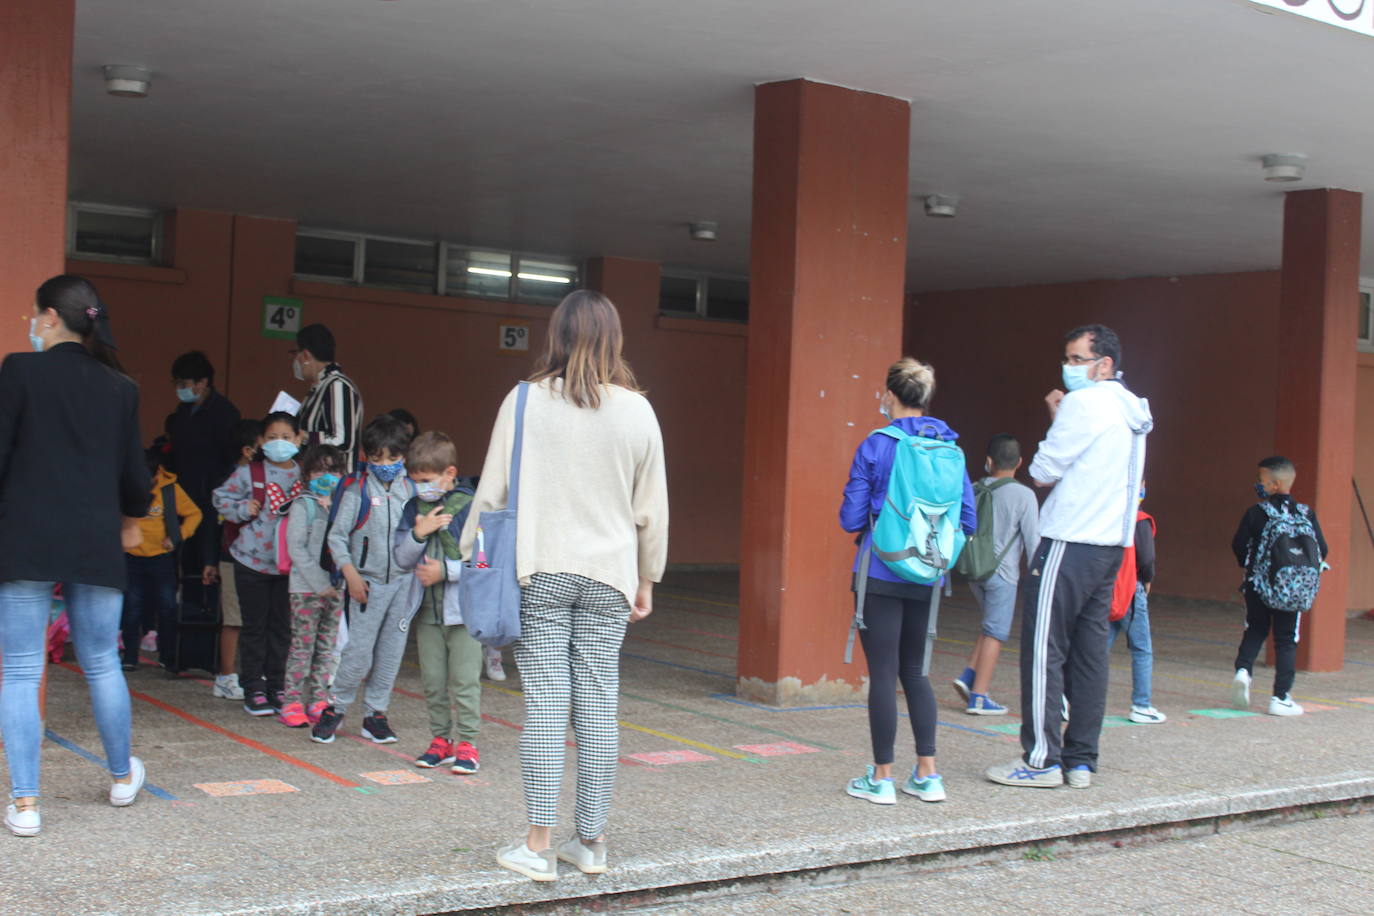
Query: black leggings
x=895 y=644
x=1260 y=620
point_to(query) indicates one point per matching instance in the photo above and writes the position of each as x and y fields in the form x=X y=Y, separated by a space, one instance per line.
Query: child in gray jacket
x=379 y=601
x=315 y=602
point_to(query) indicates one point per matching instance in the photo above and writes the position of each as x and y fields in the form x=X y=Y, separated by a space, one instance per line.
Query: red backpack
x=1123 y=593
x=257 y=473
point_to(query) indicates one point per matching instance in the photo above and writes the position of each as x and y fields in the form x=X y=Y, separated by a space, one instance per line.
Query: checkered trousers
x=569 y=660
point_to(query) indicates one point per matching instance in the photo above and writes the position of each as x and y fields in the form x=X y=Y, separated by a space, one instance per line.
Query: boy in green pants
x=450 y=659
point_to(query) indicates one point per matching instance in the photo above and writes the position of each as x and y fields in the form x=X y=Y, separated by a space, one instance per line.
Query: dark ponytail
x=78 y=305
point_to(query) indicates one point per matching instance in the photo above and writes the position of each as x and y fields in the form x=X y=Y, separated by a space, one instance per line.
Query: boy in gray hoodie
x=379 y=600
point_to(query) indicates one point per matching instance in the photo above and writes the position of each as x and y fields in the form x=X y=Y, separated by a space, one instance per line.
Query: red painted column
x=35 y=111
x=1318 y=314
x=827 y=271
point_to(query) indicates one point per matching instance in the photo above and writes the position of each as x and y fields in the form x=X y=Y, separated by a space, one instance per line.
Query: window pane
x=1366 y=300
x=478 y=273
x=545 y=282
x=322 y=257
x=115 y=235
x=678 y=294
x=728 y=299
x=401 y=265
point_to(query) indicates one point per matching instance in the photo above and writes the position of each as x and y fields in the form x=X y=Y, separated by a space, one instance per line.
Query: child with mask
x=378 y=598
x=255 y=497
x=450 y=659
x=315 y=603
x=245 y=438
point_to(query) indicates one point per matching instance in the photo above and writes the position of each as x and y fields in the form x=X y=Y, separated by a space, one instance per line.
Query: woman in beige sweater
x=591 y=542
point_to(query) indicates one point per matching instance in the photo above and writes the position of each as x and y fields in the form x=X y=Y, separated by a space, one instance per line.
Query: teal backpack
x=917 y=533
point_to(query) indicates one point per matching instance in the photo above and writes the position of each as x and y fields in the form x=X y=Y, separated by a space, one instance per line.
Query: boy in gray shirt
x=1015 y=526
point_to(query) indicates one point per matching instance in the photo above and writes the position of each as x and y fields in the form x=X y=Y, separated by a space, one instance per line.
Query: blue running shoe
x=1017 y=773
x=980 y=704
x=929 y=789
x=878 y=791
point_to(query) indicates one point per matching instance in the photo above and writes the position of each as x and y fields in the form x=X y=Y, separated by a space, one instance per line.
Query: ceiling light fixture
x=127 y=81
x=1284 y=166
x=943 y=206
x=489 y=271
x=545 y=278
x=703 y=230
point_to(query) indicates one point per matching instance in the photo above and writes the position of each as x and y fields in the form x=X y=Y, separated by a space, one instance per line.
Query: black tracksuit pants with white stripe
x=1064 y=638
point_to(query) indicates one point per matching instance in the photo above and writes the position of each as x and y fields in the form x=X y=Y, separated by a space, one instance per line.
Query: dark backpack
x=979 y=559
x=358 y=479
x=1286 y=566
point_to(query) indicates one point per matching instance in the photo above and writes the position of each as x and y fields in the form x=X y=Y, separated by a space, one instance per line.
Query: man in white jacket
x=1094 y=457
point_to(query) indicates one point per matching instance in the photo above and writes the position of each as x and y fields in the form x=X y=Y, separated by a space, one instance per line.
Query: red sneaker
x=293 y=716
x=440 y=753
x=317 y=707
x=465 y=759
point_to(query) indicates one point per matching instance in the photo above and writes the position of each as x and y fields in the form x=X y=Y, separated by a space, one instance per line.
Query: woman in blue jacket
x=896 y=612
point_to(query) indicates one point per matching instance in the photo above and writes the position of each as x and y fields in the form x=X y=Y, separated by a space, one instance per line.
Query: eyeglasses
x=1081 y=360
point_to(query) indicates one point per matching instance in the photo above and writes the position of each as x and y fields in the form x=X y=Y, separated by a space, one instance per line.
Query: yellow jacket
x=153 y=526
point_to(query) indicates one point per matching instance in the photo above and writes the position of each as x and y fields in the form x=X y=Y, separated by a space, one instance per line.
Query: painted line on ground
x=80 y=751
x=659 y=661
x=671 y=645
x=746 y=725
x=233 y=736
x=728 y=698
x=668 y=626
x=667 y=736
x=700 y=600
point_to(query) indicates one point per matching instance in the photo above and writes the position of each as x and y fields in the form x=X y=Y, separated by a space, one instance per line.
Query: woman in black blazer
x=71 y=474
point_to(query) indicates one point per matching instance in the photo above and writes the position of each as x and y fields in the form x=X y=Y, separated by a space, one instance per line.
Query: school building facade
x=291 y=165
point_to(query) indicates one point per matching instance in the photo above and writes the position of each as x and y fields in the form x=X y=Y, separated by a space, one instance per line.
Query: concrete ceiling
x=1087 y=138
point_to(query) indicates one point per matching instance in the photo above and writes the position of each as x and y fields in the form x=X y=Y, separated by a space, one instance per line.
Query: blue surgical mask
x=186 y=395
x=280 y=449
x=1141 y=498
x=431 y=491
x=34 y=340
x=324 y=484
x=1261 y=492
x=386 y=473
x=1076 y=377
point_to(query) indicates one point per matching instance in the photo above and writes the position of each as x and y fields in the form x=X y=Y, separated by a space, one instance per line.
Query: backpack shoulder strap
x=257 y=473
x=892 y=432
x=364 y=502
x=998 y=484
x=169 y=514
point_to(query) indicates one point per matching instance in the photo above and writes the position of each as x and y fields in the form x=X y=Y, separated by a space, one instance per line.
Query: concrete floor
x=248 y=816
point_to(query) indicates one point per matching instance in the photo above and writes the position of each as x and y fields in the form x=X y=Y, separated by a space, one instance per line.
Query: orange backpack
x=1123 y=593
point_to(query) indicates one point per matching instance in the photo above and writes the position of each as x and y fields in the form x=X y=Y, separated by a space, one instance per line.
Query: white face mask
x=298 y=370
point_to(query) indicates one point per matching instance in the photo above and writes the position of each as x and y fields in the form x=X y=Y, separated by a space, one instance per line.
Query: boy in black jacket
x=1276 y=475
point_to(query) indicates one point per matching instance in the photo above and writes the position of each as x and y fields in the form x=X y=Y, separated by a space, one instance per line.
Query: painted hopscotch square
x=1005 y=728
x=780 y=749
x=1222 y=713
x=245 y=787
x=1115 y=721
x=395 y=777
x=668 y=758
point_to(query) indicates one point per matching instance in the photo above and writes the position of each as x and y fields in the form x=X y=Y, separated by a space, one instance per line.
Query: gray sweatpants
x=1068 y=596
x=376 y=644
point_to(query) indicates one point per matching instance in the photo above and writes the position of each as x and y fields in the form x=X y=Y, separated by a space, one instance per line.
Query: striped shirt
x=333 y=412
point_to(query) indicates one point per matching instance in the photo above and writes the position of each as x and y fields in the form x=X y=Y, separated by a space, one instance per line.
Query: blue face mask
x=431 y=491
x=1261 y=492
x=386 y=473
x=324 y=484
x=1076 y=378
x=186 y=395
x=34 y=340
x=1141 y=497
x=279 y=450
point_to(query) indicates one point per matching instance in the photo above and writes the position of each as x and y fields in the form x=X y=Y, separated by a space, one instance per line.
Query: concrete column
x=1318 y=315
x=35 y=111
x=827 y=271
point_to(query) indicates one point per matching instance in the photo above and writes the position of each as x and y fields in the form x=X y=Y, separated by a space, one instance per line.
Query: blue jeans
x=94 y=614
x=1136 y=623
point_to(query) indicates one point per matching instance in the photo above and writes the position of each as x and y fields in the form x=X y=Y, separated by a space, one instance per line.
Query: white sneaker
x=496 y=671
x=1147 y=715
x=1240 y=689
x=1080 y=777
x=1284 y=706
x=537 y=866
x=227 y=687
x=149 y=643
x=590 y=860
x=23 y=823
x=121 y=795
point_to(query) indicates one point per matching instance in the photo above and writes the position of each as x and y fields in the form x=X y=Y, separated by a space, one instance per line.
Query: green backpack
x=980 y=558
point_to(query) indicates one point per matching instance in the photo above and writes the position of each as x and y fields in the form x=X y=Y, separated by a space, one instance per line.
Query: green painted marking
x=1115 y=721
x=367 y=790
x=1221 y=713
x=1006 y=728
x=748 y=725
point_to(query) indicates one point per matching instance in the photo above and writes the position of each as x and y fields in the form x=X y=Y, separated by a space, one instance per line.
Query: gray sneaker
x=590 y=859
x=1080 y=777
x=537 y=866
x=1018 y=773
